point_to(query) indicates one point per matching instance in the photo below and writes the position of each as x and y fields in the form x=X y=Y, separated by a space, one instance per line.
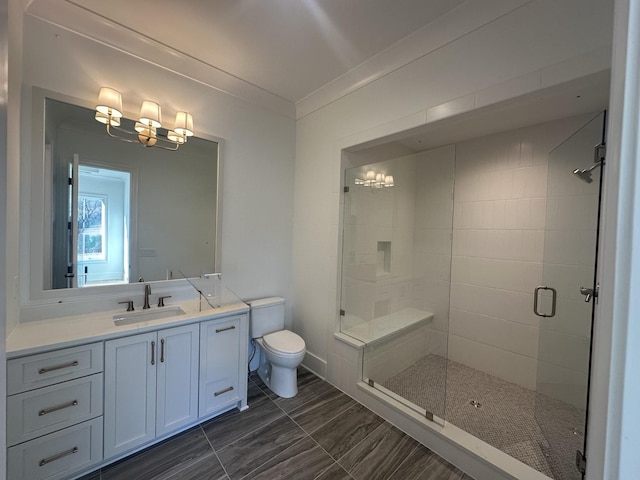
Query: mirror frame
x=32 y=196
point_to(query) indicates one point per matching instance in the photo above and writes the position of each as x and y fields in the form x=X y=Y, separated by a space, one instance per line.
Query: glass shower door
x=565 y=301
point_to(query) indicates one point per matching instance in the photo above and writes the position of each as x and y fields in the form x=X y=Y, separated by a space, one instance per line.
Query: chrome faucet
x=147 y=292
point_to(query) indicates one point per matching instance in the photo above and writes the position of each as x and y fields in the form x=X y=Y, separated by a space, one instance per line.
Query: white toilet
x=281 y=351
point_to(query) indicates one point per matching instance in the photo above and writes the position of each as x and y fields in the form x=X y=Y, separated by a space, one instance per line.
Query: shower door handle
x=554 y=294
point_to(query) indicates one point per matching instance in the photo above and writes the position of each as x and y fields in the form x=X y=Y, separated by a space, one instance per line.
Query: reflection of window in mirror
x=91 y=228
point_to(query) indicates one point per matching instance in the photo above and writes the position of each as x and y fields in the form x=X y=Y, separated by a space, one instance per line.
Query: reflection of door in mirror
x=97 y=240
x=102 y=226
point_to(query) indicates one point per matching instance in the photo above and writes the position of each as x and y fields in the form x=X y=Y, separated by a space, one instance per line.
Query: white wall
x=15 y=31
x=11 y=65
x=258 y=153
x=4 y=97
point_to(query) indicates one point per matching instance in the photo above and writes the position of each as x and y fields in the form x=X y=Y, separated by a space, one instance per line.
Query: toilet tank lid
x=265 y=302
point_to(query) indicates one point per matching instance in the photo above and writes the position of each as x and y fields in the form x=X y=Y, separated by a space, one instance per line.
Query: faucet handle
x=161 y=300
x=129 y=305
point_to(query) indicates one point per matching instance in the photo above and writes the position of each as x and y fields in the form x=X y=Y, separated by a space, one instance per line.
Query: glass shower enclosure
x=416 y=245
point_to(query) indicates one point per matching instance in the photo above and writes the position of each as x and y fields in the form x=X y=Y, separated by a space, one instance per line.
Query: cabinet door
x=129 y=392
x=177 y=402
x=220 y=364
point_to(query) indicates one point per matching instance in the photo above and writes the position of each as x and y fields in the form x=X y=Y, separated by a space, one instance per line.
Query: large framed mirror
x=106 y=213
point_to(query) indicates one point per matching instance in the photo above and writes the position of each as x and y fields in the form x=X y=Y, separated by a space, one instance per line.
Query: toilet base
x=281 y=381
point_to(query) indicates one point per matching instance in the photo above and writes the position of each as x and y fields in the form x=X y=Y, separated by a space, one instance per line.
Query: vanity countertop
x=34 y=337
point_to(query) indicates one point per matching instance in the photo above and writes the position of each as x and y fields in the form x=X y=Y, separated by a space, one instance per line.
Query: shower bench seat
x=383 y=328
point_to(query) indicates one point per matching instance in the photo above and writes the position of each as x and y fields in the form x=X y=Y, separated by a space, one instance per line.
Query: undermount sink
x=128 y=318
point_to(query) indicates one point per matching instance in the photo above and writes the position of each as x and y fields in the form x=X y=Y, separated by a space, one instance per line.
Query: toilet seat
x=284 y=342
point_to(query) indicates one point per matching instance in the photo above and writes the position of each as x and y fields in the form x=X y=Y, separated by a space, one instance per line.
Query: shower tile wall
x=498 y=246
x=373 y=216
x=432 y=241
x=415 y=217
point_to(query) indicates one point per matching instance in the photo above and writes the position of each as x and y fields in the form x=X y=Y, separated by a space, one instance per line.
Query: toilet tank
x=267 y=316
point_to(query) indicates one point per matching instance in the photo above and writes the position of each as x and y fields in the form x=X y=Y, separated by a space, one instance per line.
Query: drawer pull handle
x=153 y=353
x=228 y=389
x=232 y=327
x=162 y=350
x=58 y=367
x=59 y=407
x=53 y=458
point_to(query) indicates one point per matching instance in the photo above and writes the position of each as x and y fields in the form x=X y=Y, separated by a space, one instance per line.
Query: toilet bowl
x=281 y=351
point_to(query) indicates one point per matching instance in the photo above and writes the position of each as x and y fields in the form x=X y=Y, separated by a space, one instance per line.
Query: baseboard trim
x=316 y=364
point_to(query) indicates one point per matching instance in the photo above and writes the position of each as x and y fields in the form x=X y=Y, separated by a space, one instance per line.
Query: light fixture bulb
x=109 y=102
x=371 y=175
x=388 y=181
x=176 y=137
x=102 y=118
x=184 y=124
x=150 y=114
x=141 y=127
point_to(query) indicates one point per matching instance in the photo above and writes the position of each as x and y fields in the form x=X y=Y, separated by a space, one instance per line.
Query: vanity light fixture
x=375 y=180
x=109 y=112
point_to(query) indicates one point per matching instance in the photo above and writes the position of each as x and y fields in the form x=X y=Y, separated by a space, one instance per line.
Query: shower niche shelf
x=383 y=259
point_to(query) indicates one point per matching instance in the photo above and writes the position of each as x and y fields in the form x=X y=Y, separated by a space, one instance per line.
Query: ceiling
x=289 y=48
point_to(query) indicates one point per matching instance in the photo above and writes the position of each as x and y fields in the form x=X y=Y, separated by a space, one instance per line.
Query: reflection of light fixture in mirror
x=374 y=179
x=109 y=112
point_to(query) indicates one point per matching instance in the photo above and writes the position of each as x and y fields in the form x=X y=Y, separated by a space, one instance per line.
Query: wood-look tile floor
x=320 y=434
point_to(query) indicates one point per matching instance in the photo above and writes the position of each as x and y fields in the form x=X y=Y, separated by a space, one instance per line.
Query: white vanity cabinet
x=151 y=385
x=81 y=406
x=223 y=364
x=54 y=413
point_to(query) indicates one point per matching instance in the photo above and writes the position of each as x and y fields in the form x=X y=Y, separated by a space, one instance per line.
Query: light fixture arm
x=135 y=137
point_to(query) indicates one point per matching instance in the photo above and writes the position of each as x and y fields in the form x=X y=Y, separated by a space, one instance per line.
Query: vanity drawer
x=35 y=371
x=220 y=365
x=57 y=455
x=38 y=412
